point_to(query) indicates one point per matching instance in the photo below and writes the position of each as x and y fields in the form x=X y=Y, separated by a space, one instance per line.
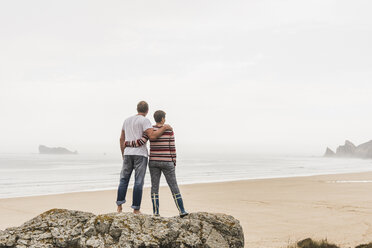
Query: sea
x=41 y=174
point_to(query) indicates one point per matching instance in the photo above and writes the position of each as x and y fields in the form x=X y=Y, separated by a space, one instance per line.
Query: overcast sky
x=289 y=76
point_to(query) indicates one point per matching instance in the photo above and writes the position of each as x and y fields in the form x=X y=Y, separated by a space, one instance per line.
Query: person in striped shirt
x=162 y=160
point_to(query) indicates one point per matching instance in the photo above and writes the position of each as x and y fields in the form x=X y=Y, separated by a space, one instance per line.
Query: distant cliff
x=54 y=150
x=350 y=150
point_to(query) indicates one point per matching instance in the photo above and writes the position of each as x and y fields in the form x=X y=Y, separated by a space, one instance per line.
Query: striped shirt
x=162 y=149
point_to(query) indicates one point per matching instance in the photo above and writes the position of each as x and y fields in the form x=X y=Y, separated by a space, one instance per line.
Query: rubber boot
x=179 y=203
x=155 y=204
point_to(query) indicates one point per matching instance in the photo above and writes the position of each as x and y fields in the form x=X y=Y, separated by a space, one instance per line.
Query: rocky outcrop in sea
x=54 y=150
x=350 y=150
x=74 y=229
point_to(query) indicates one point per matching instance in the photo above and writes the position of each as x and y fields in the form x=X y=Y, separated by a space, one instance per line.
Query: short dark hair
x=142 y=107
x=159 y=115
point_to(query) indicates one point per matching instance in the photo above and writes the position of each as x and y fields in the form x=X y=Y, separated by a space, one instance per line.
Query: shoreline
x=197 y=183
x=273 y=212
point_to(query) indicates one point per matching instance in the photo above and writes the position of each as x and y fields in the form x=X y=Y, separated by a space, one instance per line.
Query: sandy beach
x=273 y=212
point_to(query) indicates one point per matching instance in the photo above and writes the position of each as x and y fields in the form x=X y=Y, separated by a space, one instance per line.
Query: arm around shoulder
x=153 y=135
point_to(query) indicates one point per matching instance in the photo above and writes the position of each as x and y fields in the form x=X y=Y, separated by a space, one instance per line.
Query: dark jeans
x=139 y=165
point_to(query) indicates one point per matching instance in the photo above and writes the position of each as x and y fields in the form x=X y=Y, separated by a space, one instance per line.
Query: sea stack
x=346 y=150
x=329 y=153
x=364 y=150
x=349 y=150
x=55 y=150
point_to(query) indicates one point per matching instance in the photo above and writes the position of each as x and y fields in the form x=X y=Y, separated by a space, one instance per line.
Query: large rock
x=73 y=229
x=350 y=150
x=346 y=150
x=364 y=150
x=329 y=153
x=55 y=150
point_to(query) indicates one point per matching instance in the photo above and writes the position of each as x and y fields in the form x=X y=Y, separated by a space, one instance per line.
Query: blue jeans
x=139 y=165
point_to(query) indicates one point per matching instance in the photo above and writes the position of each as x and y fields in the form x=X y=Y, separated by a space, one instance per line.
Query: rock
x=55 y=150
x=215 y=239
x=350 y=150
x=309 y=243
x=68 y=229
x=364 y=150
x=329 y=153
x=346 y=150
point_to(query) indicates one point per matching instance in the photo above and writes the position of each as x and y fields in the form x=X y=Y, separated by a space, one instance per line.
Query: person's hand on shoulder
x=168 y=127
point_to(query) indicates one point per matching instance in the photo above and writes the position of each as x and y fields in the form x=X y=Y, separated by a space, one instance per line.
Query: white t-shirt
x=133 y=128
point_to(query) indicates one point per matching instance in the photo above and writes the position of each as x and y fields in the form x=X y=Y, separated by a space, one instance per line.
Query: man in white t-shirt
x=135 y=158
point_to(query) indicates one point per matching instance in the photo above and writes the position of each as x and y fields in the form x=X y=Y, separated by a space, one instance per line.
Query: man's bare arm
x=153 y=135
x=122 y=142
